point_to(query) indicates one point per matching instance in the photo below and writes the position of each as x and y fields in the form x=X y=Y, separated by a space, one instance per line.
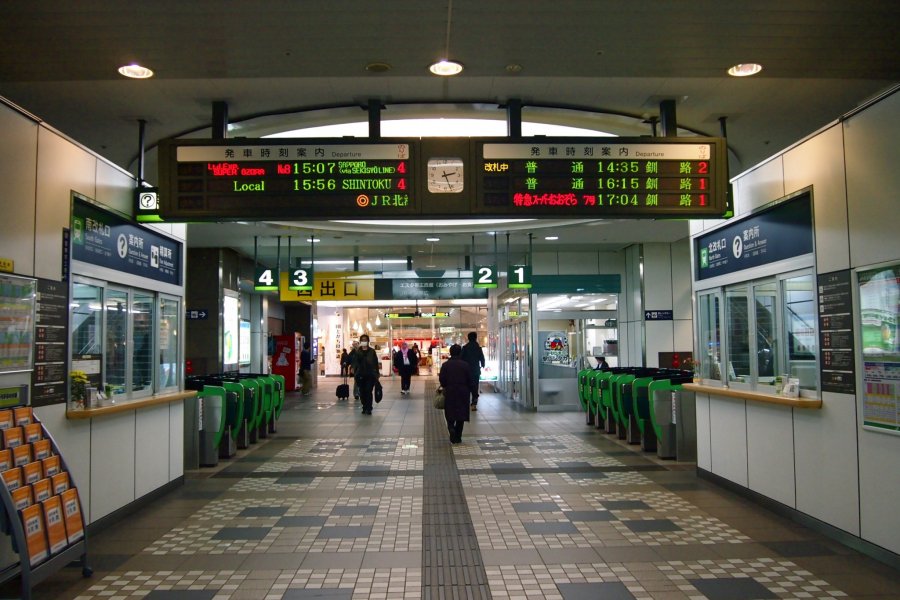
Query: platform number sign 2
x=300 y=280
x=264 y=280
x=518 y=277
x=484 y=276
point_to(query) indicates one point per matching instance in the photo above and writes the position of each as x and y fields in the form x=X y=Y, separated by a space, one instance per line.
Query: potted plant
x=78 y=381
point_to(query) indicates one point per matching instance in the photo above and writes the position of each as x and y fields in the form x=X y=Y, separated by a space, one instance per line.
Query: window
x=125 y=340
x=766 y=341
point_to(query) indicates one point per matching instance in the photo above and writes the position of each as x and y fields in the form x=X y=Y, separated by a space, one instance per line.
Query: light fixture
x=432 y=239
x=551 y=238
x=744 y=70
x=446 y=68
x=313 y=240
x=377 y=320
x=135 y=71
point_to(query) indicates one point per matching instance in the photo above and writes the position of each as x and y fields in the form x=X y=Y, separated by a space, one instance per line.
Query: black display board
x=48 y=380
x=591 y=178
x=781 y=232
x=836 y=346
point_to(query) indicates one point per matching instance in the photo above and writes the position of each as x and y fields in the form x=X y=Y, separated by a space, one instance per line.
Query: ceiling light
x=432 y=239
x=378 y=67
x=744 y=70
x=313 y=240
x=551 y=238
x=446 y=68
x=135 y=71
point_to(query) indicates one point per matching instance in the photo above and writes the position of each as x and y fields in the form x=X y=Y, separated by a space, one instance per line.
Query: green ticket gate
x=618 y=383
x=255 y=414
x=673 y=417
x=584 y=393
x=234 y=418
x=279 y=394
x=211 y=422
x=597 y=379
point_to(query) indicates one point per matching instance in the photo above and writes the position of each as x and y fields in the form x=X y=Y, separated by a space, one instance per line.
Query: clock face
x=445 y=175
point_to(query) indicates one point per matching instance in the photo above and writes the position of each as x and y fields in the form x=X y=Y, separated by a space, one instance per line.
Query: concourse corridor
x=342 y=505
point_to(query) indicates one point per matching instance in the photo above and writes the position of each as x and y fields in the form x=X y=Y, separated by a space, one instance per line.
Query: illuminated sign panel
x=591 y=178
x=286 y=178
x=606 y=177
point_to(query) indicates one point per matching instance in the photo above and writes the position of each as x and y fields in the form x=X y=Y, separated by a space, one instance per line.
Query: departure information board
x=278 y=178
x=606 y=177
x=347 y=178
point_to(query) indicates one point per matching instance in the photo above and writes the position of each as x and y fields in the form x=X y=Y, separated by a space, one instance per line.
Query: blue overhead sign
x=107 y=240
x=782 y=232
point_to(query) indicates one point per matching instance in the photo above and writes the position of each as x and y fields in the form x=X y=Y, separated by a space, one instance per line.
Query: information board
x=591 y=178
x=879 y=312
x=286 y=179
x=836 y=355
x=50 y=376
x=605 y=177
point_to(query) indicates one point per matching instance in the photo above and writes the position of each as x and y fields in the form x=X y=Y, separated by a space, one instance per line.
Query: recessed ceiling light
x=433 y=239
x=446 y=68
x=135 y=71
x=551 y=238
x=744 y=70
x=378 y=67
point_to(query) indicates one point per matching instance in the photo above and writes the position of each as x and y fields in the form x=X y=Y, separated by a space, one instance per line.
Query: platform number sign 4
x=264 y=280
x=485 y=276
x=519 y=277
x=300 y=280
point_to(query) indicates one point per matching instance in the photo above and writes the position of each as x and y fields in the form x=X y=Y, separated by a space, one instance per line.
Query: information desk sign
x=282 y=178
x=602 y=177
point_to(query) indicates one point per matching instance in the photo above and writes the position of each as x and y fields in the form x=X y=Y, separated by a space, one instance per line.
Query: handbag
x=439 y=398
x=379 y=391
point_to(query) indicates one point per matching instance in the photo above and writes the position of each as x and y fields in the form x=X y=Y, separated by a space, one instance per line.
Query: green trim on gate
x=269 y=386
x=279 y=394
x=254 y=419
x=637 y=383
x=215 y=391
x=618 y=403
x=658 y=386
x=596 y=399
x=237 y=388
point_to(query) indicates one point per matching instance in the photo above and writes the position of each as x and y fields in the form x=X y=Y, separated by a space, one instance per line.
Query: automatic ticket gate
x=674 y=419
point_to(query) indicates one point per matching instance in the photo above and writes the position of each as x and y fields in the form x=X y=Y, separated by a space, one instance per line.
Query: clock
x=445 y=175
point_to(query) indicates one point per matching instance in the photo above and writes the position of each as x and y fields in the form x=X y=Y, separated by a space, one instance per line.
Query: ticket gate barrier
x=279 y=394
x=584 y=382
x=211 y=423
x=232 y=424
x=597 y=410
x=257 y=424
x=674 y=419
x=642 y=413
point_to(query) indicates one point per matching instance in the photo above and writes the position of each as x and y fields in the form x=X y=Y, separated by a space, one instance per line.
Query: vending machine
x=286 y=358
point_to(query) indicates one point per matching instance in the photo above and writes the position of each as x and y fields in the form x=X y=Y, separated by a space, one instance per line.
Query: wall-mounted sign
x=49 y=380
x=879 y=318
x=196 y=314
x=837 y=361
x=7 y=265
x=107 y=240
x=428 y=288
x=658 y=315
x=781 y=232
x=331 y=286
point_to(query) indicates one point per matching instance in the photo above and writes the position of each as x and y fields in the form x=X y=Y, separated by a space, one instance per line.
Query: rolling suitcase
x=343 y=390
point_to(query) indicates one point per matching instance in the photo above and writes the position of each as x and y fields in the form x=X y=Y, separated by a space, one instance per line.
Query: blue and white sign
x=196 y=314
x=107 y=240
x=658 y=315
x=782 y=232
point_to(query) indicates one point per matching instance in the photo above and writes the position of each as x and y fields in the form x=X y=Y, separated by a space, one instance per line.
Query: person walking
x=351 y=356
x=345 y=363
x=474 y=356
x=306 y=370
x=366 y=371
x=406 y=360
x=456 y=380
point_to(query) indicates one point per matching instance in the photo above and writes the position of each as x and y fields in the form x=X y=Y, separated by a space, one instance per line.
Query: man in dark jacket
x=406 y=360
x=366 y=371
x=474 y=356
x=456 y=379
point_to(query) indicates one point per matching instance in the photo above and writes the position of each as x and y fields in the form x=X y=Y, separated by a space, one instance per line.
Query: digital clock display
x=597 y=178
x=281 y=178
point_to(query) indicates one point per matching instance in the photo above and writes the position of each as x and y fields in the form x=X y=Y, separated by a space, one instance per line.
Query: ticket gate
x=674 y=419
x=211 y=423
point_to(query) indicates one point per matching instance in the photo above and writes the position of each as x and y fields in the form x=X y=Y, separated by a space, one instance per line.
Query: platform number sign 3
x=300 y=280
x=485 y=276
x=519 y=276
x=264 y=280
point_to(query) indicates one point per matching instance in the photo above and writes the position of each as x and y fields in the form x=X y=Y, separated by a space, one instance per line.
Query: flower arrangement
x=78 y=381
x=688 y=364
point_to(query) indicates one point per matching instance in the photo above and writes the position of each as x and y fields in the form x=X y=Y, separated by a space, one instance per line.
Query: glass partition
x=799 y=300
x=765 y=300
x=737 y=323
x=169 y=311
x=710 y=337
x=116 y=363
x=143 y=331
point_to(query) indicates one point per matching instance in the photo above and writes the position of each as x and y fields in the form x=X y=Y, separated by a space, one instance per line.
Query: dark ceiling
x=821 y=59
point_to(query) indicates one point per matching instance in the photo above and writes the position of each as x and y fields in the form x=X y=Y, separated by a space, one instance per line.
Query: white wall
x=116 y=459
x=821 y=462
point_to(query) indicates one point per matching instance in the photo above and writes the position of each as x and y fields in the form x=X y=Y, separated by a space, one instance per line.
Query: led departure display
x=597 y=178
x=279 y=178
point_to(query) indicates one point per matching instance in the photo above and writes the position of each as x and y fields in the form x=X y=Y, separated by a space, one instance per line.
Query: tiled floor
x=347 y=506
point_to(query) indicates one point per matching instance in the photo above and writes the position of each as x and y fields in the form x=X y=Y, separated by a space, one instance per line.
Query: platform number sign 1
x=264 y=280
x=300 y=280
x=484 y=276
x=519 y=277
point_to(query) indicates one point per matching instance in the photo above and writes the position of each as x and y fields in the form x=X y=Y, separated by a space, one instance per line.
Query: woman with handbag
x=456 y=380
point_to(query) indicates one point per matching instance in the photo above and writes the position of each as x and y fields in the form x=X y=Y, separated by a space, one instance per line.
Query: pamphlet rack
x=48 y=533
